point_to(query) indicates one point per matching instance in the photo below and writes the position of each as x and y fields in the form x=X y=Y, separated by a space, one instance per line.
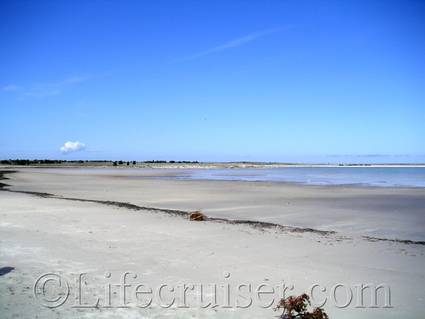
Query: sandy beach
x=59 y=234
x=212 y=159
x=391 y=213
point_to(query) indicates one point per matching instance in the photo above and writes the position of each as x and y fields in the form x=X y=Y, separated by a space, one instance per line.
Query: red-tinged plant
x=295 y=307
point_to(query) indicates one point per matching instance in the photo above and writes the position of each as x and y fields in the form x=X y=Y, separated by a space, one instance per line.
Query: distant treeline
x=44 y=161
x=114 y=163
x=29 y=162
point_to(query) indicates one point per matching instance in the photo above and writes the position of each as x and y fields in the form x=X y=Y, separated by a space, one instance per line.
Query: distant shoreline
x=406 y=176
x=189 y=164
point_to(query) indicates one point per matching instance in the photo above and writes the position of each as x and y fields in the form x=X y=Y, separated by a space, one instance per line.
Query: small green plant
x=295 y=307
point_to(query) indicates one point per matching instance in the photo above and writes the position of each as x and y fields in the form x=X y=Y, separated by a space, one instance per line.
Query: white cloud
x=10 y=88
x=43 y=90
x=69 y=147
x=235 y=43
x=76 y=79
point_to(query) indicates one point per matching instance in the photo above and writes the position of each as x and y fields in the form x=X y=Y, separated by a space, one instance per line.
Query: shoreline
x=213 y=165
x=181 y=176
x=181 y=213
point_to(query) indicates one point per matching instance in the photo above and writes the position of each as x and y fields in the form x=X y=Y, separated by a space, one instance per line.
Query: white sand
x=40 y=235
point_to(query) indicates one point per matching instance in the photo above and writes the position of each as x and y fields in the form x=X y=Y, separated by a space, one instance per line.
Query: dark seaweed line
x=255 y=224
x=402 y=241
x=175 y=212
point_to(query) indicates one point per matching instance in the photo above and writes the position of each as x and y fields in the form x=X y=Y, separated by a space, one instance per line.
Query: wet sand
x=389 y=213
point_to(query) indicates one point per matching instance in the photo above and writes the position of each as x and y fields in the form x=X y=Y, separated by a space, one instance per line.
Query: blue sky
x=325 y=81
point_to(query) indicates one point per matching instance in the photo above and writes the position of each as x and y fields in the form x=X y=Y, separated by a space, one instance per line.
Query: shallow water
x=362 y=176
x=368 y=176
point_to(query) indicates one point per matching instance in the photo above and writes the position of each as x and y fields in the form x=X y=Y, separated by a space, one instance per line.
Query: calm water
x=368 y=176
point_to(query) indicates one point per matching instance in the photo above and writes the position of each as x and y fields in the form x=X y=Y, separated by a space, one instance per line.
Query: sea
x=361 y=176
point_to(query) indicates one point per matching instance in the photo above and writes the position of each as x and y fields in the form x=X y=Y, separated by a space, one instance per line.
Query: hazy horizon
x=332 y=160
